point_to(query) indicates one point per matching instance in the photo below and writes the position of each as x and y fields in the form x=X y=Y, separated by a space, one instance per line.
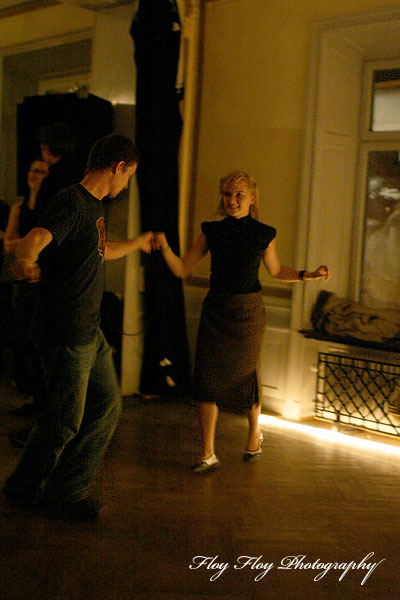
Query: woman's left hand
x=323 y=272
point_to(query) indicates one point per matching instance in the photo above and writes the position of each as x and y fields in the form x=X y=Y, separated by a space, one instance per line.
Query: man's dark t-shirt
x=72 y=268
x=61 y=175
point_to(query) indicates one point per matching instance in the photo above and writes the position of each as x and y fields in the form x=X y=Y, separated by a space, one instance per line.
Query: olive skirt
x=228 y=348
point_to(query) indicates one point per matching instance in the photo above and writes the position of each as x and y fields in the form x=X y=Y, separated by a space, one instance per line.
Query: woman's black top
x=236 y=247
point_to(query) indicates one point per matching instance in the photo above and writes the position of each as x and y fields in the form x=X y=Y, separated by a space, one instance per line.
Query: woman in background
x=233 y=320
x=22 y=214
x=26 y=364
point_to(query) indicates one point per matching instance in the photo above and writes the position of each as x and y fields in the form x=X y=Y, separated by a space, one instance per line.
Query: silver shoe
x=206 y=464
x=251 y=454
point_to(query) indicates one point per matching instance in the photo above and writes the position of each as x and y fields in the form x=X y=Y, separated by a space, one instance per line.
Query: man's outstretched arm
x=116 y=250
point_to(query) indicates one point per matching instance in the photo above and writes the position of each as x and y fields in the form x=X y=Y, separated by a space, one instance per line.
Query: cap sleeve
x=207 y=229
x=267 y=234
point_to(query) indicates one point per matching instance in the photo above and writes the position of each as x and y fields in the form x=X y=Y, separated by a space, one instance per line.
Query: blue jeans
x=68 y=440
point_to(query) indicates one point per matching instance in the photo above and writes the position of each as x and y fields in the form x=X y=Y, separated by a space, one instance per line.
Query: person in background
x=233 y=317
x=70 y=437
x=26 y=370
x=22 y=214
x=4 y=213
x=4 y=295
x=57 y=145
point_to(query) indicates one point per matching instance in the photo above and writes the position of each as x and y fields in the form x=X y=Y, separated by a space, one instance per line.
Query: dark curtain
x=156 y=34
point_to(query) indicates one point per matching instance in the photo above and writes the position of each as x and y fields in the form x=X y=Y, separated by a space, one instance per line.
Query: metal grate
x=359 y=392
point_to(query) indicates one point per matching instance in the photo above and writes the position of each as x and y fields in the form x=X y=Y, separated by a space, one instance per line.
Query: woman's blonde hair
x=233 y=178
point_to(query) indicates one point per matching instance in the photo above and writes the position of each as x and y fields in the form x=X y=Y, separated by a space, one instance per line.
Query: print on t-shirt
x=102 y=236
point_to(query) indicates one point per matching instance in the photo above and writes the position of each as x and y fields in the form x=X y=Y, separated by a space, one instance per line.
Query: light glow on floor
x=329 y=436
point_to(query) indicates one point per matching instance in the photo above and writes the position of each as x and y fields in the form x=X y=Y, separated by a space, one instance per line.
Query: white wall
x=113 y=70
x=43 y=27
x=113 y=77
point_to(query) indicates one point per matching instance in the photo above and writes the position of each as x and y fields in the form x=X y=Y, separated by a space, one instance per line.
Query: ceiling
x=51 y=61
x=14 y=7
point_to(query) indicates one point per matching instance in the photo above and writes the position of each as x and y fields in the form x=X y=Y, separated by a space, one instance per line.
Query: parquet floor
x=302 y=498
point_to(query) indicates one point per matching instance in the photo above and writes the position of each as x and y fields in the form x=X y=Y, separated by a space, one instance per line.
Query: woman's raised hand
x=323 y=272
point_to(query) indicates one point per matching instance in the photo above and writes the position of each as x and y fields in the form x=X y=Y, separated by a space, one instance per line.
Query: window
x=385 y=113
x=380 y=187
x=380 y=280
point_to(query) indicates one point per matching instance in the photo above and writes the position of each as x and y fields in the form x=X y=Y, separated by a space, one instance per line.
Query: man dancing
x=66 y=251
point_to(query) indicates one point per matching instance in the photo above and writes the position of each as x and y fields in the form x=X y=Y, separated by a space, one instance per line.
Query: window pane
x=386 y=100
x=380 y=277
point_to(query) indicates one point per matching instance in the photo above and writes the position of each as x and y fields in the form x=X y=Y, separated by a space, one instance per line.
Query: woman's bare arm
x=181 y=267
x=284 y=273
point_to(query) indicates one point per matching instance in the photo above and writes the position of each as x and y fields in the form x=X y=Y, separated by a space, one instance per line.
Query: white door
x=327 y=227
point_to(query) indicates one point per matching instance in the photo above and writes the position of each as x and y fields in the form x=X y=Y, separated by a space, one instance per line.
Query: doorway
x=26 y=74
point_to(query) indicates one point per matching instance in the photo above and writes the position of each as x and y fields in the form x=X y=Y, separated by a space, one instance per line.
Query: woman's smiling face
x=37 y=172
x=237 y=199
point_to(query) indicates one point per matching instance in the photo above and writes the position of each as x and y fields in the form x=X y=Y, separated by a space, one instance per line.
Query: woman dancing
x=233 y=320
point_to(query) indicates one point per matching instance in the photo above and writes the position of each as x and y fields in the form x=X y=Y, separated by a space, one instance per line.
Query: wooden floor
x=302 y=497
